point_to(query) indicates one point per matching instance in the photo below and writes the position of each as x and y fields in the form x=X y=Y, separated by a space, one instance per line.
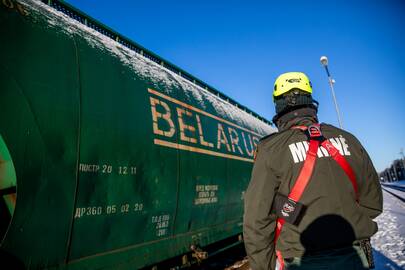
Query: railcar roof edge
x=87 y=20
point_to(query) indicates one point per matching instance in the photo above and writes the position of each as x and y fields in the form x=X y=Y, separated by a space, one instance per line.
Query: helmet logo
x=294 y=80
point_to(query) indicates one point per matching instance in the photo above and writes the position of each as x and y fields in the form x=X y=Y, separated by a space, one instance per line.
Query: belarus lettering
x=210 y=134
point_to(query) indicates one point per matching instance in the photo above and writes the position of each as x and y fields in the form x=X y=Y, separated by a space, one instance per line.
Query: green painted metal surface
x=118 y=161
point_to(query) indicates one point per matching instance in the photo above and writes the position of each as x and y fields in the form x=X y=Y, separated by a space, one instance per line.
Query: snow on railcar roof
x=147 y=68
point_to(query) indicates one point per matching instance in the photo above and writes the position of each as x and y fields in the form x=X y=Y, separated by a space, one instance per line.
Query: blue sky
x=240 y=47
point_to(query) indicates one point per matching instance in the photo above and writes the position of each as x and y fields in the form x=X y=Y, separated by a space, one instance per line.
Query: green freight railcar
x=109 y=155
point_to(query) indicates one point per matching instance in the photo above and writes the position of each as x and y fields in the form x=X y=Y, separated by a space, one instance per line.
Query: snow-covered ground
x=389 y=242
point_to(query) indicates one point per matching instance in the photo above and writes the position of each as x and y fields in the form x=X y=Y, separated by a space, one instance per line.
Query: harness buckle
x=314 y=131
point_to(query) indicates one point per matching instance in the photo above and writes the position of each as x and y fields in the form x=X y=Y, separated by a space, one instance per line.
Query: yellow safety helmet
x=291 y=80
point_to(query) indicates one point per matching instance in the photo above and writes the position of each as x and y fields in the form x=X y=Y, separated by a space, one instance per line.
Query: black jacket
x=332 y=218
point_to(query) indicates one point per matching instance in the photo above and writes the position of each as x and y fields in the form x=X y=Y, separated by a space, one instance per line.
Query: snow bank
x=390 y=238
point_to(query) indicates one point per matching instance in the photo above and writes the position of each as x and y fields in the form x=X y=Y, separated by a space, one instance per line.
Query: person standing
x=313 y=193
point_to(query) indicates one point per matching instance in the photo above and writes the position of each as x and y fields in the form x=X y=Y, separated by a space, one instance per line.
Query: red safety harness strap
x=334 y=153
x=306 y=173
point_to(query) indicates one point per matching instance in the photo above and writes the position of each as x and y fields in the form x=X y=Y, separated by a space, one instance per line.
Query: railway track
x=400 y=188
x=395 y=190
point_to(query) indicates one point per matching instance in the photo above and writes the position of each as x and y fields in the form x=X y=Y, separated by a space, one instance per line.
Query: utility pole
x=324 y=62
